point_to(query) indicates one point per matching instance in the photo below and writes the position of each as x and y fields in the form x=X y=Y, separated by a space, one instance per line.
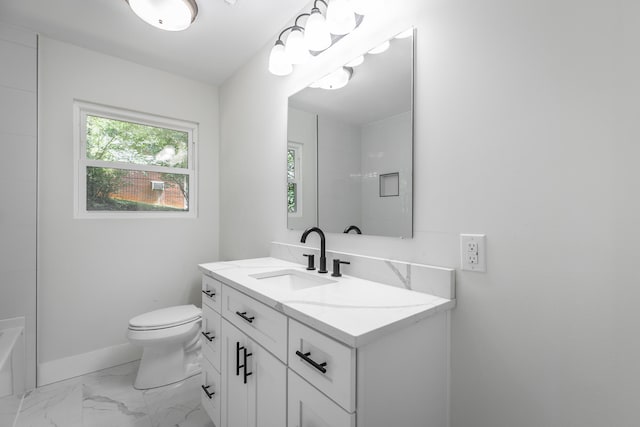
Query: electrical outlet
x=473 y=255
x=472 y=246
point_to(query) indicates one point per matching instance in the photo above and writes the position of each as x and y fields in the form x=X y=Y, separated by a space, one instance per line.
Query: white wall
x=94 y=275
x=18 y=137
x=387 y=148
x=338 y=168
x=526 y=129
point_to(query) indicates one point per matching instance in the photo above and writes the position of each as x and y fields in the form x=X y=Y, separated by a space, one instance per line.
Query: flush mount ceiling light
x=169 y=15
x=335 y=80
x=319 y=33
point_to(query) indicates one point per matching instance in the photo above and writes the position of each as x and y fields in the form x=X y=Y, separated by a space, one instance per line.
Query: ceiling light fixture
x=335 y=80
x=169 y=15
x=318 y=34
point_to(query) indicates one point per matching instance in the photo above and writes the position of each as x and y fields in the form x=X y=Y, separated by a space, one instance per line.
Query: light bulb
x=295 y=48
x=340 y=17
x=316 y=32
x=278 y=62
x=380 y=48
x=170 y=15
x=361 y=7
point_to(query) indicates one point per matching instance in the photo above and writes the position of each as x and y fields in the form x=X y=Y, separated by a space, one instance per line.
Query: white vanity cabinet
x=253 y=383
x=211 y=352
x=239 y=336
x=357 y=354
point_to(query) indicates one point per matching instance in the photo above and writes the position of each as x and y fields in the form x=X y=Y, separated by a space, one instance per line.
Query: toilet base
x=162 y=365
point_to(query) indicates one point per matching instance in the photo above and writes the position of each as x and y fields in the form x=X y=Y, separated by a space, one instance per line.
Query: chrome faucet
x=323 y=255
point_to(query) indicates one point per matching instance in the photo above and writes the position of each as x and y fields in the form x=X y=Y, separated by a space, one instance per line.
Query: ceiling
x=222 y=38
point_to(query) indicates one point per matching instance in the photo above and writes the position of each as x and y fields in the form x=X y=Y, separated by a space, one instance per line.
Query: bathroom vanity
x=284 y=346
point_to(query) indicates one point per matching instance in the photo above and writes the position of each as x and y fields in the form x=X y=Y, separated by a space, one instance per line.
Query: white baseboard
x=80 y=364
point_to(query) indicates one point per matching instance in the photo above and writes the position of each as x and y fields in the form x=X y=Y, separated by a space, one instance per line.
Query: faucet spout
x=352 y=228
x=323 y=255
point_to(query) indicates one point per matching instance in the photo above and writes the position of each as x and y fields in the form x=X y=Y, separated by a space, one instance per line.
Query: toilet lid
x=166 y=317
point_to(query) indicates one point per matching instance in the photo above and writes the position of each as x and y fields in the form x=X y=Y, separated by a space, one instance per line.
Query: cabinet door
x=211 y=391
x=253 y=381
x=310 y=408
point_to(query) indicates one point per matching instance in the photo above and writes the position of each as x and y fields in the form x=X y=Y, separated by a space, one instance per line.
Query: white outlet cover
x=467 y=256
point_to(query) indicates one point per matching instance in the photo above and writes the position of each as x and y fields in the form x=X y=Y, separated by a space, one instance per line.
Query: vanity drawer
x=211 y=330
x=211 y=289
x=310 y=408
x=327 y=364
x=210 y=391
x=261 y=322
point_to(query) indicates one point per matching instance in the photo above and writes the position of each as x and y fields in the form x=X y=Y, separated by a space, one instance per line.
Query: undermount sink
x=294 y=280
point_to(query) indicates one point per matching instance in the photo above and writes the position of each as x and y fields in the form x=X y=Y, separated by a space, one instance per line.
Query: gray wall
x=18 y=139
x=526 y=130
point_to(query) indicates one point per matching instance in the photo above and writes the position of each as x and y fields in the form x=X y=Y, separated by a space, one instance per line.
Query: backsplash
x=438 y=281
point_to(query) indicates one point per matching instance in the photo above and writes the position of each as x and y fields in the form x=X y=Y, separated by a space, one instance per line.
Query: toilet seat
x=166 y=318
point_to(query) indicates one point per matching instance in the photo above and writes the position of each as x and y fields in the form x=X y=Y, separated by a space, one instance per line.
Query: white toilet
x=170 y=338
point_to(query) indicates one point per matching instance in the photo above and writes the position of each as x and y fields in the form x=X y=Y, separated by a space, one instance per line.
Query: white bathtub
x=11 y=357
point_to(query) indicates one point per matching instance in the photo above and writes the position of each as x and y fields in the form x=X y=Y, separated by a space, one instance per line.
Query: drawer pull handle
x=319 y=366
x=207 y=336
x=210 y=294
x=245 y=317
x=205 y=388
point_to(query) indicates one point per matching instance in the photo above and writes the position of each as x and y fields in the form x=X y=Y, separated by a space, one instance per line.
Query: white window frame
x=81 y=110
x=297 y=148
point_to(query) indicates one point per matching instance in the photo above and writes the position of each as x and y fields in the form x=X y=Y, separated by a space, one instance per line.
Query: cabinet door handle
x=319 y=366
x=210 y=294
x=245 y=317
x=206 y=335
x=205 y=388
x=238 y=348
x=246 y=374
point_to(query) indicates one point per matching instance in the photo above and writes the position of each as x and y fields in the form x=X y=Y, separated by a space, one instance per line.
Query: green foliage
x=119 y=141
x=101 y=182
x=291 y=198
x=291 y=164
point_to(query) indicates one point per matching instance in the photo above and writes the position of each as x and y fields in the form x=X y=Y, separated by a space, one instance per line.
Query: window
x=132 y=164
x=294 y=179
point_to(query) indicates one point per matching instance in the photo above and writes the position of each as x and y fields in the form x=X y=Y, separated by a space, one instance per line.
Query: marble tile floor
x=107 y=399
x=9 y=406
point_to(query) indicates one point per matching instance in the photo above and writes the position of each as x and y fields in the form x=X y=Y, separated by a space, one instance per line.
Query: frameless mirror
x=350 y=147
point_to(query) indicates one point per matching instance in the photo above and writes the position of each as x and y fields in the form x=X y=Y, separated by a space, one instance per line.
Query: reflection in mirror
x=350 y=146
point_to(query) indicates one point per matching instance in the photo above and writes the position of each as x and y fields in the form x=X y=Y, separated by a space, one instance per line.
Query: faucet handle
x=310 y=262
x=336 y=267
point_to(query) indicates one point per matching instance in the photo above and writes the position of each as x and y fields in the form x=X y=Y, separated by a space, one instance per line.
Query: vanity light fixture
x=355 y=61
x=340 y=77
x=380 y=48
x=169 y=15
x=340 y=17
x=318 y=34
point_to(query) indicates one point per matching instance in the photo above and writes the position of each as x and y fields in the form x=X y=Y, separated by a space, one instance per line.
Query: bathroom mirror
x=350 y=147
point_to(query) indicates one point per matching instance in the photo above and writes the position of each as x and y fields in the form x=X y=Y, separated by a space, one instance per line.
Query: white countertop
x=353 y=311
